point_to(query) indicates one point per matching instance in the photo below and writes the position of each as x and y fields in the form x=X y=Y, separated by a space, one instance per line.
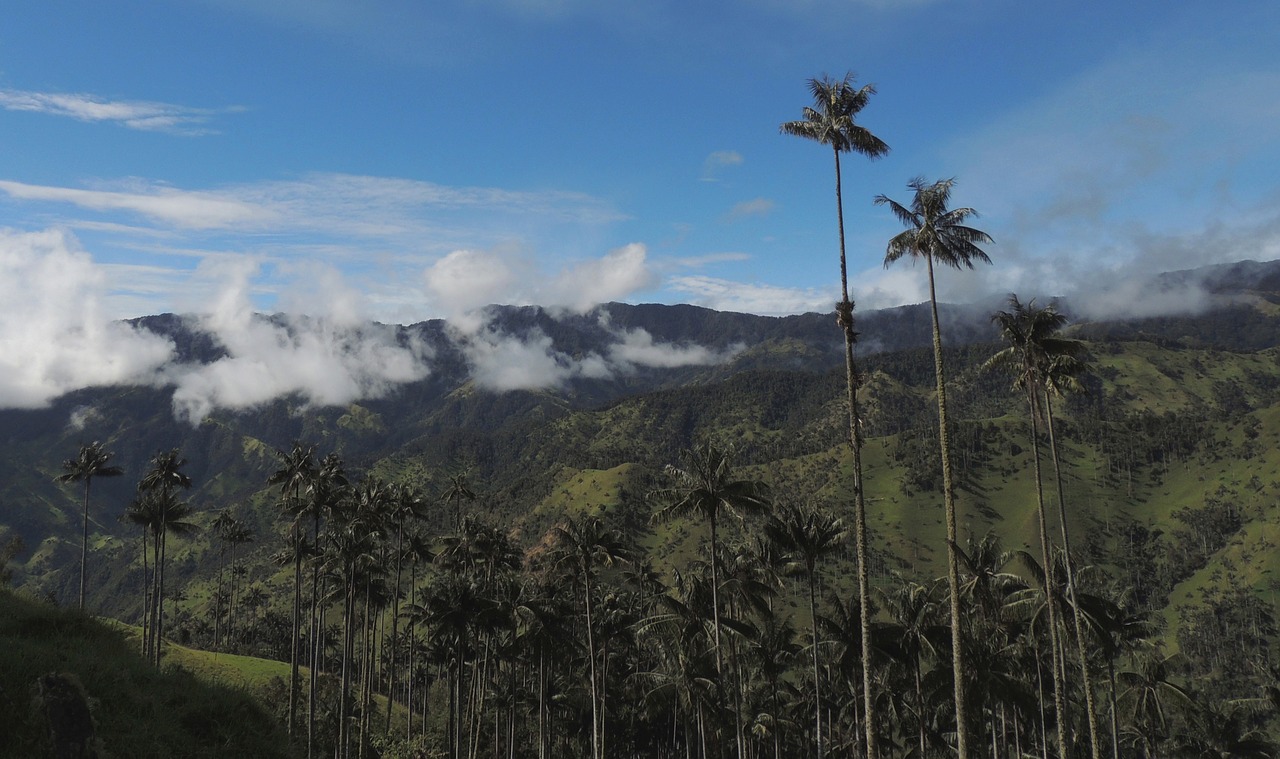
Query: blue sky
x=402 y=160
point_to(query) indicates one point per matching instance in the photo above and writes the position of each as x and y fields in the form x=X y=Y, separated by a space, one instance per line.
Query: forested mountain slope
x=1170 y=462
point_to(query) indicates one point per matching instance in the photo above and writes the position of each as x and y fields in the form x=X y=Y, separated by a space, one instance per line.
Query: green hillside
x=209 y=710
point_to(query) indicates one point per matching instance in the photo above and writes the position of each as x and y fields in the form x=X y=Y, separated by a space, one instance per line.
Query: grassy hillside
x=195 y=707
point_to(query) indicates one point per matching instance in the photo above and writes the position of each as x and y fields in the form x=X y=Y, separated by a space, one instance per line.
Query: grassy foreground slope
x=137 y=710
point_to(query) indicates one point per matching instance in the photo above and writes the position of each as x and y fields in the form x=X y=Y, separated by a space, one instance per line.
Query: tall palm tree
x=1026 y=329
x=1153 y=697
x=808 y=534
x=1044 y=364
x=325 y=491
x=831 y=121
x=297 y=467
x=705 y=487
x=458 y=490
x=162 y=513
x=580 y=547
x=89 y=463
x=939 y=234
x=164 y=510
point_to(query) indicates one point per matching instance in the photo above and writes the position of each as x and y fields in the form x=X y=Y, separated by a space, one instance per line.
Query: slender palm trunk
x=395 y=618
x=159 y=624
x=845 y=319
x=1095 y=750
x=715 y=598
x=295 y=643
x=1115 y=719
x=591 y=672
x=84 y=541
x=146 y=598
x=953 y=561
x=817 y=694
x=1050 y=590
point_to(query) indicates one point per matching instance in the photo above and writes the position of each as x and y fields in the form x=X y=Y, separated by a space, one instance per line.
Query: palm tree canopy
x=166 y=472
x=831 y=118
x=90 y=462
x=1036 y=356
x=583 y=544
x=704 y=487
x=297 y=469
x=933 y=230
x=806 y=534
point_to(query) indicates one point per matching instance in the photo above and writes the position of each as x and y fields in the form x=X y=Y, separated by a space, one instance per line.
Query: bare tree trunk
x=1095 y=751
x=1050 y=591
x=84 y=541
x=953 y=561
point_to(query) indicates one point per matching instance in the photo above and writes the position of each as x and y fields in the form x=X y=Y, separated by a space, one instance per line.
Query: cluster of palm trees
x=469 y=645
x=157 y=510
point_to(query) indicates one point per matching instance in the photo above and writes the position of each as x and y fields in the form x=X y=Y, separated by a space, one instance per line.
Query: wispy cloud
x=134 y=114
x=715 y=164
x=748 y=208
x=727 y=295
x=363 y=206
x=175 y=208
x=697 y=262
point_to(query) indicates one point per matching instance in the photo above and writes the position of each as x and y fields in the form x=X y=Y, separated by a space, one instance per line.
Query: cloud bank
x=326 y=360
x=54 y=337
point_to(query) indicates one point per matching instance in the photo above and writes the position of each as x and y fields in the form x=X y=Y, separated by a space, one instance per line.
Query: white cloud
x=755 y=207
x=503 y=362
x=697 y=262
x=717 y=162
x=637 y=348
x=181 y=209
x=466 y=280
x=359 y=206
x=134 y=114
x=727 y=295
x=327 y=360
x=53 y=336
x=616 y=275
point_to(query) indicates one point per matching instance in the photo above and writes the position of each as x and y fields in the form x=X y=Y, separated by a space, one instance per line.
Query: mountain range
x=1182 y=413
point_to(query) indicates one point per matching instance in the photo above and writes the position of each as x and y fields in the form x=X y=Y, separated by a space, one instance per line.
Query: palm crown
x=933 y=230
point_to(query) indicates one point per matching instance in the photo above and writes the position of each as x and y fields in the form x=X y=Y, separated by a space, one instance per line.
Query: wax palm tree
x=939 y=234
x=1029 y=331
x=407 y=504
x=325 y=490
x=162 y=507
x=1044 y=363
x=297 y=468
x=89 y=463
x=706 y=488
x=1120 y=631
x=580 y=547
x=912 y=636
x=458 y=490
x=1153 y=698
x=808 y=534
x=831 y=121
x=163 y=513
